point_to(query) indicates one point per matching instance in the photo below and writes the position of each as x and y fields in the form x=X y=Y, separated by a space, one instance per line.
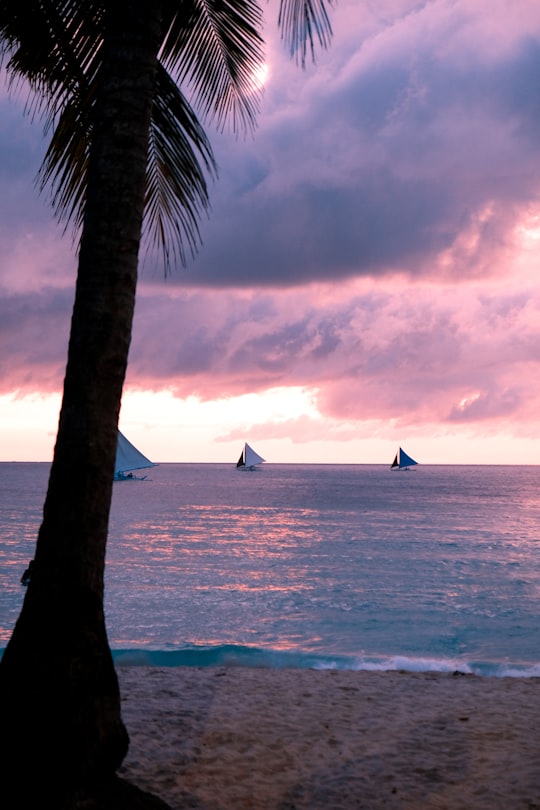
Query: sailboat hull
x=120 y=476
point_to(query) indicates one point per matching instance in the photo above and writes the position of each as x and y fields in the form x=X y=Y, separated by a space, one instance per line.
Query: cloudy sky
x=369 y=273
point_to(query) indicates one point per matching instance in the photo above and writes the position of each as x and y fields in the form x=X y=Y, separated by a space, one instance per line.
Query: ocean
x=321 y=566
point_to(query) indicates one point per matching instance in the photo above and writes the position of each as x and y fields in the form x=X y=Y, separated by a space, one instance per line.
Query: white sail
x=402 y=461
x=128 y=458
x=248 y=458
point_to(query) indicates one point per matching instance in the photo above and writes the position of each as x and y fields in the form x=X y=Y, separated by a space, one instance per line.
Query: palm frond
x=216 y=47
x=66 y=161
x=51 y=46
x=179 y=157
x=302 y=23
x=53 y=50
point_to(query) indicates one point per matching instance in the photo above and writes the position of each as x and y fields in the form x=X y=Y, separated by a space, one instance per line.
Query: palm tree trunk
x=59 y=695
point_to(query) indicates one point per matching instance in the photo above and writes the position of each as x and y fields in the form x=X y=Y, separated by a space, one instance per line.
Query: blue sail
x=402 y=460
x=128 y=458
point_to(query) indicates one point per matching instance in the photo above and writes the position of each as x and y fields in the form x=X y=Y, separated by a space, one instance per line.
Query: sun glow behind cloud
x=262 y=76
x=529 y=231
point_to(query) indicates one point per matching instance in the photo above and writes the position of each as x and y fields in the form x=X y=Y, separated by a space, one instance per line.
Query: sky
x=368 y=274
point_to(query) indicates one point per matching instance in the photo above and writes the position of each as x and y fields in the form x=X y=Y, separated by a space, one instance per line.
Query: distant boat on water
x=402 y=461
x=248 y=458
x=128 y=458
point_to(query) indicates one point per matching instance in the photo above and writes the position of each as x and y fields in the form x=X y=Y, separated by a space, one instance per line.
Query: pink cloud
x=364 y=245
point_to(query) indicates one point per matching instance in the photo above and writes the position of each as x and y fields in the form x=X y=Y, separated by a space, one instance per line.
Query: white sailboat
x=402 y=461
x=248 y=458
x=128 y=458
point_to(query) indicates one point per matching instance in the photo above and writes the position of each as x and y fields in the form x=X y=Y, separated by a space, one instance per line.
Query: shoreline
x=239 y=655
x=220 y=738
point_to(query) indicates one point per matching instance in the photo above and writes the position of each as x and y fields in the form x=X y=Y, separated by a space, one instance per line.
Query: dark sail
x=402 y=461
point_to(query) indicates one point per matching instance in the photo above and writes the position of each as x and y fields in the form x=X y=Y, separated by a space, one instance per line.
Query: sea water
x=344 y=566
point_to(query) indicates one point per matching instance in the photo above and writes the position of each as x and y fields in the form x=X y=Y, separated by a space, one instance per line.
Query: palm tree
x=127 y=150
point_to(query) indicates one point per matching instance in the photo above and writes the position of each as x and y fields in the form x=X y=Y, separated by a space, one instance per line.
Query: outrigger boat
x=128 y=458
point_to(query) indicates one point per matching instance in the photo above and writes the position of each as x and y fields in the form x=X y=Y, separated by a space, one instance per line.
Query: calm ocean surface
x=309 y=565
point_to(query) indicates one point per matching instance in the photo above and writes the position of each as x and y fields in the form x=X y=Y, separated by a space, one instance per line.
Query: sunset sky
x=369 y=273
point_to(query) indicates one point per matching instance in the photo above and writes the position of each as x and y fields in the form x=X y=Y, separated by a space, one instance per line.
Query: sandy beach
x=243 y=738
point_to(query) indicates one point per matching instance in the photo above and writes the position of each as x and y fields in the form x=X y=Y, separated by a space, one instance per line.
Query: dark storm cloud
x=34 y=329
x=379 y=172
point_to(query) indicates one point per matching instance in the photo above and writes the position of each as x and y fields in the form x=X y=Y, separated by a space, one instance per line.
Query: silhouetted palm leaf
x=302 y=22
x=61 y=62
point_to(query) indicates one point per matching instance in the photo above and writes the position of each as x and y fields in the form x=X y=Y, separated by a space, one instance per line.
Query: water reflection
x=443 y=560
